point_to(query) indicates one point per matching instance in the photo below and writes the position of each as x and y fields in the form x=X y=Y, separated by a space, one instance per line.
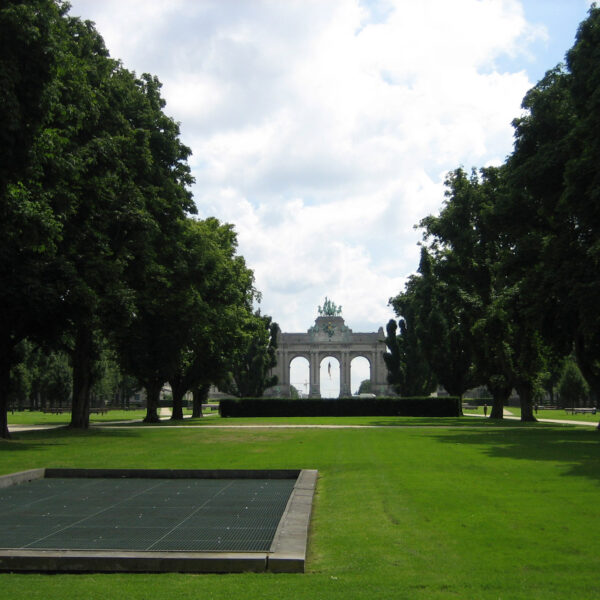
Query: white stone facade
x=330 y=336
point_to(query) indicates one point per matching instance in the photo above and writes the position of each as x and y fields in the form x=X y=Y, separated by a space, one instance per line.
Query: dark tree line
x=508 y=283
x=98 y=245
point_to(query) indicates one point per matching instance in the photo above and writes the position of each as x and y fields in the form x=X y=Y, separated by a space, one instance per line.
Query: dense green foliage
x=365 y=387
x=408 y=372
x=251 y=363
x=97 y=246
x=573 y=390
x=340 y=407
x=508 y=282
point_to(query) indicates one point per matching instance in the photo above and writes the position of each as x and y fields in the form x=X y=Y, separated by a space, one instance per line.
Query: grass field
x=27 y=417
x=475 y=511
x=543 y=414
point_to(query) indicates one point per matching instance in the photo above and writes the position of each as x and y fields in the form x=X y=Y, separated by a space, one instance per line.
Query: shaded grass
x=34 y=417
x=469 y=512
x=41 y=418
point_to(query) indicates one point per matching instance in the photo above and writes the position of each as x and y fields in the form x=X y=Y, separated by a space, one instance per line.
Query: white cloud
x=323 y=130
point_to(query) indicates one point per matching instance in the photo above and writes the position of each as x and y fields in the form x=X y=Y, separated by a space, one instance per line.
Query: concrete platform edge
x=21 y=477
x=288 y=550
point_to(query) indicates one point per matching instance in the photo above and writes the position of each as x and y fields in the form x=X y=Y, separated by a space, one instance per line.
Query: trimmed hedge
x=448 y=406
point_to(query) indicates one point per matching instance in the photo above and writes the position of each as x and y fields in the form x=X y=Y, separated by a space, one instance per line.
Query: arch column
x=315 y=375
x=285 y=372
x=373 y=378
x=345 y=380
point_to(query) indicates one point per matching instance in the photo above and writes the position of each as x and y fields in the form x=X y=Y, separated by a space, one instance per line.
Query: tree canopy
x=508 y=282
x=98 y=247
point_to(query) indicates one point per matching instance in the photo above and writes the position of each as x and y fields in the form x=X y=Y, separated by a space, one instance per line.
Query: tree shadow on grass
x=577 y=448
x=58 y=436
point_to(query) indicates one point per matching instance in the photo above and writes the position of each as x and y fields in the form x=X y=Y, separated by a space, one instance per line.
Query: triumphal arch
x=330 y=336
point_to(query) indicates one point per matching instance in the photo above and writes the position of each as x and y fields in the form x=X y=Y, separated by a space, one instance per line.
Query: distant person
x=485 y=409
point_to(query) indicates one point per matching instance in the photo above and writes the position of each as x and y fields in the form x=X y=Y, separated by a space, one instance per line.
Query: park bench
x=582 y=411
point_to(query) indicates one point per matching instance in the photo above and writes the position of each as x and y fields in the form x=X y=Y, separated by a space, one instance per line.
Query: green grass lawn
x=27 y=417
x=378 y=421
x=475 y=511
x=543 y=414
x=559 y=414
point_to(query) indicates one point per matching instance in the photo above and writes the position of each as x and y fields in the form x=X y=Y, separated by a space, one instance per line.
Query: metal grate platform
x=180 y=515
x=155 y=520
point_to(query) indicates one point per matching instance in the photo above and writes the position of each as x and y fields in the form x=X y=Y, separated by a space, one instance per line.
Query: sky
x=323 y=129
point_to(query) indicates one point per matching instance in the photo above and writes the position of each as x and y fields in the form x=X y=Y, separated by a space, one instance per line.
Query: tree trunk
x=200 y=395
x=83 y=359
x=500 y=394
x=456 y=390
x=152 y=396
x=525 y=391
x=178 y=390
x=4 y=393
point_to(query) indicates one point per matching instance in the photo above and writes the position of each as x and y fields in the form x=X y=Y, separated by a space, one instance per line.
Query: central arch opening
x=330 y=377
x=299 y=377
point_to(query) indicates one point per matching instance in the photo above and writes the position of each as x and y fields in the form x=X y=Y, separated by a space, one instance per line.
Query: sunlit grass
x=557 y=414
x=404 y=512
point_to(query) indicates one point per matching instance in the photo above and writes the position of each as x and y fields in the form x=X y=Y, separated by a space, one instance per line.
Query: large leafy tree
x=221 y=290
x=30 y=230
x=442 y=321
x=252 y=362
x=555 y=190
x=90 y=177
x=120 y=167
x=30 y=39
x=187 y=308
x=41 y=379
x=148 y=345
x=572 y=387
x=582 y=196
x=468 y=238
x=408 y=370
x=461 y=243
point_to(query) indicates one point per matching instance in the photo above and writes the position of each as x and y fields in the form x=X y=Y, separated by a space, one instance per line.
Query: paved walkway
x=165 y=414
x=560 y=421
x=18 y=428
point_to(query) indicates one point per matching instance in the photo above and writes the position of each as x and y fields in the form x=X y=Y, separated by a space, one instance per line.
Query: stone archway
x=360 y=370
x=330 y=336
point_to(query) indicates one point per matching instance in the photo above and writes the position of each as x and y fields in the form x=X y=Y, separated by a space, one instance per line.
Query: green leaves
x=254 y=357
x=509 y=276
x=94 y=199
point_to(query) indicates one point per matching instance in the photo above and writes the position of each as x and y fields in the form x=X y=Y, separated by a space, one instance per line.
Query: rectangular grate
x=182 y=515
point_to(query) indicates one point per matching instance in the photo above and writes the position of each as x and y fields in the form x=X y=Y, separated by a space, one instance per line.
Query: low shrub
x=448 y=406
